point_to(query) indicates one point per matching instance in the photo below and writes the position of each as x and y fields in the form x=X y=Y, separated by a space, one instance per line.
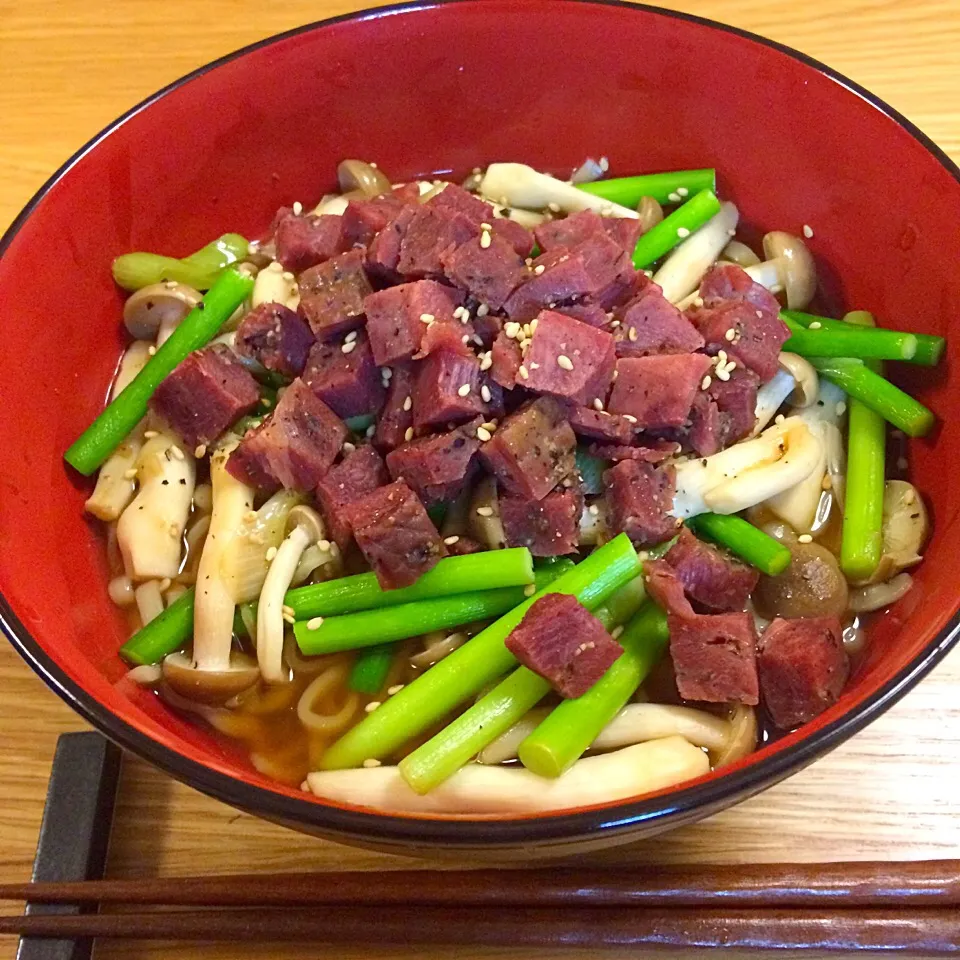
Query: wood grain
x=68 y=67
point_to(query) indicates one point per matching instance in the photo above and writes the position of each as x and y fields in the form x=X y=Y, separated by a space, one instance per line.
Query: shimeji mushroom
x=749 y=472
x=906 y=526
x=153 y=312
x=481 y=789
x=740 y=254
x=362 y=176
x=115 y=484
x=789 y=267
x=683 y=270
x=306 y=528
x=517 y=185
x=275 y=285
x=483 y=520
x=150 y=530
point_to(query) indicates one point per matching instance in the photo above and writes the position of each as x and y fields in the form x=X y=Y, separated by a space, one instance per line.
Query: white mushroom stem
x=115 y=489
x=481 y=789
x=526 y=218
x=771 y=397
x=747 y=473
x=149 y=601
x=505 y=747
x=683 y=270
x=272 y=286
x=216 y=595
x=333 y=204
x=150 y=530
x=517 y=185
x=767 y=274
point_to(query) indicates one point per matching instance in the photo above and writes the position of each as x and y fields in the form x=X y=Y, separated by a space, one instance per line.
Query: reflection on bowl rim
x=668 y=808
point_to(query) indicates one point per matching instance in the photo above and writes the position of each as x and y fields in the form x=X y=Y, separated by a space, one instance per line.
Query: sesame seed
x=324 y=545
x=779 y=418
x=616 y=632
x=604 y=164
x=407 y=402
x=485 y=239
x=288 y=618
x=427 y=317
x=632 y=334
x=350 y=337
x=200 y=450
x=530 y=589
x=348 y=447
x=485 y=393
x=463 y=390
x=486 y=361
x=606 y=210
x=777 y=288
x=130 y=474
x=286 y=608
x=524 y=372
x=491 y=425
x=371 y=430
x=395 y=689
x=534 y=365
x=673 y=197
x=683 y=191
x=730 y=334
x=482 y=310
x=485 y=226
x=805 y=538
x=450 y=541
x=152 y=350
x=630 y=417
x=484 y=511
x=177 y=452
x=271 y=553
x=807 y=230
x=722 y=373
x=386 y=373
x=297 y=208
x=483 y=435
x=597 y=403
x=250 y=516
x=683 y=232
x=539 y=268
x=408 y=434
x=564 y=362
x=369 y=708
x=349 y=347
x=705 y=382
x=287 y=275
x=593 y=510
x=553 y=206
x=371 y=762
x=150 y=434
x=841 y=408
x=511 y=328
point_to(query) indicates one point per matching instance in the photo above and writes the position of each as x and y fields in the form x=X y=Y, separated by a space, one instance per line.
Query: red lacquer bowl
x=445 y=88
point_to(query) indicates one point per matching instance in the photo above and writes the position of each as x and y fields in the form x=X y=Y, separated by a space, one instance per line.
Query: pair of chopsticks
x=838 y=906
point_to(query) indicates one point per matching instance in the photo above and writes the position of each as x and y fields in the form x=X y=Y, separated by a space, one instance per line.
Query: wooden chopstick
x=834 y=886
x=923 y=931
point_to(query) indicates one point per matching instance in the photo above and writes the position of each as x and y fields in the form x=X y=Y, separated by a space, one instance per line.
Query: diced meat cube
x=349 y=383
x=294 y=447
x=488 y=273
x=624 y=231
x=568 y=358
x=395 y=535
x=461 y=546
x=639 y=500
x=724 y=413
x=383 y=253
x=590 y=313
x=506 y=359
x=651 y=324
x=453 y=335
x=447 y=390
x=457 y=200
x=304 y=241
x=532 y=450
x=518 y=236
x=548 y=528
x=487 y=327
x=665 y=589
x=205 y=393
x=332 y=295
x=432 y=233
x=373 y=215
x=360 y=471
x=727 y=281
x=437 y=467
x=394 y=322
x=659 y=451
x=623 y=289
x=756 y=339
x=803 y=668
x=397 y=415
x=567 y=232
x=658 y=391
x=712 y=578
x=599 y=425
x=564 y=643
x=276 y=337
x=714 y=657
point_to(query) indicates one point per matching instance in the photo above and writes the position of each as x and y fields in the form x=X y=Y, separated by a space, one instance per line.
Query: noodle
x=328 y=682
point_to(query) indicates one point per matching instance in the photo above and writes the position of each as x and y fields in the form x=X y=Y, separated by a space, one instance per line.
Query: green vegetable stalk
x=744 y=539
x=200 y=270
x=669 y=187
x=675 y=228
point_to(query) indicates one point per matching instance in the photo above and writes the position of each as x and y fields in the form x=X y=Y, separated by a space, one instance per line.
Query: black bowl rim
x=666 y=810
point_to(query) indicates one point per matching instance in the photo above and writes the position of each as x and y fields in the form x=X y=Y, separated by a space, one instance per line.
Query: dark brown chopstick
x=920 y=931
x=915 y=884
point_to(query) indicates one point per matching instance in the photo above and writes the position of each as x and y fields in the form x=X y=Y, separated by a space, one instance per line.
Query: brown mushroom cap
x=650 y=213
x=812 y=586
x=309 y=519
x=804 y=375
x=212 y=687
x=148 y=307
x=358 y=175
x=797 y=270
x=906 y=526
x=739 y=253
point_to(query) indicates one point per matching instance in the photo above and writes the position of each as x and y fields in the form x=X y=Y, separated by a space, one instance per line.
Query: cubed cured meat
x=665 y=589
x=455 y=199
x=548 y=528
x=803 y=668
x=447 y=389
x=711 y=577
x=570 y=359
x=383 y=253
x=205 y=393
x=432 y=233
x=397 y=415
x=596 y=424
x=590 y=313
x=506 y=359
x=564 y=643
x=276 y=337
x=532 y=450
x=332 y=295
x=293 y=447
x=658 y=391
x=373 y=215
x=398 y=316
x=624 y=231
x=304 y=241
x=360 y=471
x=437 y=467
x=651 y=324
x=567 y=232
x=488 y=273
x=348 y=382
x=487 y=327
x=395 y=535
x=727 y=281
x=639 y=500
x=724 y=413
x=715 y=657
x=453 y=335
x=756 y=338
x=518 y=236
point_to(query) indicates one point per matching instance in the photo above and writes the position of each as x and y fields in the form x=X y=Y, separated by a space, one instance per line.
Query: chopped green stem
x=497 y=711
x=370 y=669
x=669 y=187
x=861 y=545
x=675 y=228
x=895 y=406
x=591 y=471
x=482 y=659
x=164 y=634
x=200 y=270
x=849 y=342
x=744 y=539
x=929 y=348
x=472 y=572
x=108 y=431
x=561 y=739
x=360 y=423
x=369 y=627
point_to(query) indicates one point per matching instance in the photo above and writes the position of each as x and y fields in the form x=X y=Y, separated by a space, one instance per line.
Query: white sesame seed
x=777 y=288
x=386 y=373
x=177 y=452
x=722 y=356
x=530 y=589
x=511 y=328
x=314 y=623
x=486 y=361
x=450 y=541
x=371 y=762
x=288 y=618
x=730 y=334
x=597 y=403
x=630 y=417
x=484 y=511
x=369 y=708
x=705 y=382
x=348 y=447
x=593 y=510
x=539 y=268
x=324 y=545
x=841 y=408
x=152 y=350
x=349 y=347
x=632 y=334
x=408 y=434
x=807 y=230
x=483 y=435
x=779 y=418
x=683 y=191
x=150 y=434
x=604 y=164
x=816 y=325
x=395 y=689
x=524 y=372
x=606 y=210
x=287 y=275
x=482 y=310
x=250 y=516
x=371 y=430
x=616 y=632
x=297 y=208
x=564 y=362
x=484 y=239
x=459 y=312
x=200 y=450
x=427 y=317
x=350 y=337
x=673 y=197
x=534 y=365
x=130 y=474
x=286 y=608
x=553 y=206
x=683 y=232
x=463 y=390
x=485 y=393
x=722 y=373
x=805 y=538
x=271 y=553
x=485 y=226
x=407 y=402
x=698 y=301
x=490 y=425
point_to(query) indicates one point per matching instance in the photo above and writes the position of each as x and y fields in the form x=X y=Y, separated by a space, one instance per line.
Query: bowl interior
x=440 y=89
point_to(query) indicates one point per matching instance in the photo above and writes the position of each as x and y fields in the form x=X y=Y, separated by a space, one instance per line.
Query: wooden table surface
x=68 y=67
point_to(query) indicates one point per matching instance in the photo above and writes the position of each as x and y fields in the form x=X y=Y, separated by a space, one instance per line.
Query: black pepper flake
x=182 y=482
x=200 y=305
x=164 y=482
